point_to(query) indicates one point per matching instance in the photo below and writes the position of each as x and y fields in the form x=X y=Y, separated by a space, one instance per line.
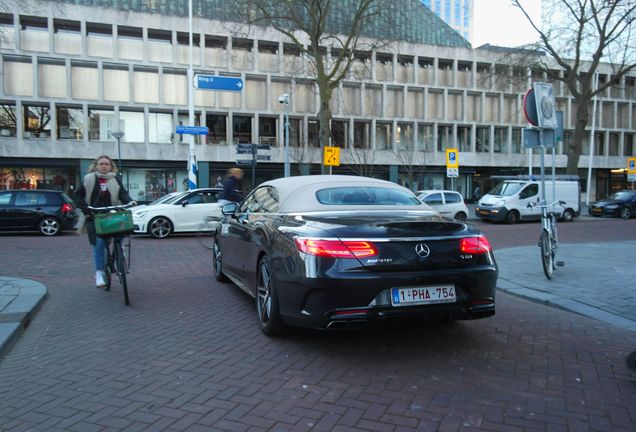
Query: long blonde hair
x=93 y=166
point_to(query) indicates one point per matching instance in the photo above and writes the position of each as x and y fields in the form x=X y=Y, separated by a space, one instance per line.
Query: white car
x=445 y=202
x=181 y=212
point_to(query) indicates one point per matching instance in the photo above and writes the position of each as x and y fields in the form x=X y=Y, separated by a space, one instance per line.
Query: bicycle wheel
x=122 y=269
x=547 y=254
x=205 y=234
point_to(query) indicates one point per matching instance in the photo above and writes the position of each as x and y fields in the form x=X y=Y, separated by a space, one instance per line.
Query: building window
x=383 y=136
x=267 y=131
x=517 y=146
x=404 y=136
x=424 y=137
x=463 y=138
x=132 y=124
x=313 y=133
x=614 y=139
x=37 y=121
x=501 y=140
x=242 y=129
x=217 y=128
x=339 y=133
x=70 y=123
x=482 y=143
x=159 y=127
x=8 y=120
x=184 y=120
x=628 y=149
x=361 y=134
x=101 y=122
x=444 y=137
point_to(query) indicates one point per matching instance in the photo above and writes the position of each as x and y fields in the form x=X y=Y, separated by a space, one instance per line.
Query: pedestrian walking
x=101 y=187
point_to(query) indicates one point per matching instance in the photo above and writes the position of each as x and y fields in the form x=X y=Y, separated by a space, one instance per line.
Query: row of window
x=166 y=46
x=158 y=127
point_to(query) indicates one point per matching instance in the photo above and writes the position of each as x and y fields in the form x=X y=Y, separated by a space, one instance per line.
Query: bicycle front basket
x=114 y=223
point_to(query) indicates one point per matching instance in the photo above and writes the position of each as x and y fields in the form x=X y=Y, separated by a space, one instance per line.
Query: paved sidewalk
x=597 y=280
x=19 y=301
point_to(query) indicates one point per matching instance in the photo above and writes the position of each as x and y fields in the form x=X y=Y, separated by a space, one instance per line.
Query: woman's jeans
x=99 y=253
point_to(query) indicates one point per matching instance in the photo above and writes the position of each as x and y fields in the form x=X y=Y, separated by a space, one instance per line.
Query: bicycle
x=115 y=222
x=206 y=231
x=548 y=241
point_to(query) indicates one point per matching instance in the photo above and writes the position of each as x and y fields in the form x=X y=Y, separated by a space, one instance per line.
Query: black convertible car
x=333 y=251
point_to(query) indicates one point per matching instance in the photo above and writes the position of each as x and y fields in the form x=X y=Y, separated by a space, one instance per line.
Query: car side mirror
x=229 y=209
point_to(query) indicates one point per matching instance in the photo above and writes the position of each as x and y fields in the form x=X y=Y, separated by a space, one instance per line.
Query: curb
x=20 y=299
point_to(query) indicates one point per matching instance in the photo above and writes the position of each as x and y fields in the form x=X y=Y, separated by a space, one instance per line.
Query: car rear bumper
x=491 y=213
x=338 y=303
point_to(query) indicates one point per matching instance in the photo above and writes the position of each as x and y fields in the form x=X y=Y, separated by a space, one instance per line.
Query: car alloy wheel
x=625 y=213
x=217 y=262
x=460 y=216
x=49 y=226
x=267 y=301
x=160 y=227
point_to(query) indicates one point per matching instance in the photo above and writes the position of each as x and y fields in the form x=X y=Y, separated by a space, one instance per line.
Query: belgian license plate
x=423 y=295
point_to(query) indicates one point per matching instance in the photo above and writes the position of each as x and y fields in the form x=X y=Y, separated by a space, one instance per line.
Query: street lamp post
x=284 y=99
x=118 y=135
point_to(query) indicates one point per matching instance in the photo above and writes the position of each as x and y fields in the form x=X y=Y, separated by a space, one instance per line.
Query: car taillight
x=474 y=245
x=66 y=208
x=336 y=248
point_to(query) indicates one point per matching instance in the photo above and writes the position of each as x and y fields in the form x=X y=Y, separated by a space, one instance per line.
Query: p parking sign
x=631 y=165
x=452 y=159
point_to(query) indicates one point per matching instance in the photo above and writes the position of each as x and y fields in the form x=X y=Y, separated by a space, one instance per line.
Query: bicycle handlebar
x=109 y=208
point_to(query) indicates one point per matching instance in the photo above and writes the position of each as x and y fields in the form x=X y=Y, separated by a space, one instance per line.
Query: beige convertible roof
x=298 y=194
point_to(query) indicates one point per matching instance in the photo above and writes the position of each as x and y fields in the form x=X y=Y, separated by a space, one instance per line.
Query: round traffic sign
x=530 y=108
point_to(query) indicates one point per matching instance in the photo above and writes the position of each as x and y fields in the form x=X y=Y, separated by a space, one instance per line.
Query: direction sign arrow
x=214 y=82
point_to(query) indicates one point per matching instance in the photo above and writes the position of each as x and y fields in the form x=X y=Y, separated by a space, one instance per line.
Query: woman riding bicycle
x=101 y=187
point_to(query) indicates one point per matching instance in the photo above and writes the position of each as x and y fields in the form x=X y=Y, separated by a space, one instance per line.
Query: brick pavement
x=187 y=355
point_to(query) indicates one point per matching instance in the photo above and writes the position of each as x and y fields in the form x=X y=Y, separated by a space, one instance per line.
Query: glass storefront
x=145 y=185
x=62 y=179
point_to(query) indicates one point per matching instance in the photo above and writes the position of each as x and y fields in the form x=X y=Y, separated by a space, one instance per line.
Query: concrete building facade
x=73 y=74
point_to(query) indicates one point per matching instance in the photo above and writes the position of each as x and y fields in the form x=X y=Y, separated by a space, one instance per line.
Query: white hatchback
x=188 y=211
x=447 y=203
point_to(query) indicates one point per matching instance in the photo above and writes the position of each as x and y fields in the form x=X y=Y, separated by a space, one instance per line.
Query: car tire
x=267 y=305
x=567 y=216
x=625 y=213
x=512 y=217
x=160 y=227
x=217 y=264
x=49 y=226
x=461 y=216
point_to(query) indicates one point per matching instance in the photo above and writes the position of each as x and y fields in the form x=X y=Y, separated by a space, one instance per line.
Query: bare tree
x=305 y=23
x=303 y=155
x=412 y=161
x=360 y=161
x=579 y=36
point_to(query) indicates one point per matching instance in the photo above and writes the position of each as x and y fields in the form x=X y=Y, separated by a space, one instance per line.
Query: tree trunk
x=575 y=147
x=324 y=119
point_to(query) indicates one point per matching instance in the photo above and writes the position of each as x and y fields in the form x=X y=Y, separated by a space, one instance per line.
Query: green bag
x=114 y=223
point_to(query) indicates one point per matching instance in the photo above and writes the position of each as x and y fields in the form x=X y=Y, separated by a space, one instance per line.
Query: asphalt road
x=187 y=355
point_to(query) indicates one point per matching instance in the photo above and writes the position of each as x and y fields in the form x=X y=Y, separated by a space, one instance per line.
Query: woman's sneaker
x=100 y=280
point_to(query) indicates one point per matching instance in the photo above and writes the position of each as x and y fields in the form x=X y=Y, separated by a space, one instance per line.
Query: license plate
x=484 y=212
x=597 y=210
x=423 y=295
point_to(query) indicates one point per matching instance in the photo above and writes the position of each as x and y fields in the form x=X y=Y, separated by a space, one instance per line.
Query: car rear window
x=452 y=198
x=30 y=198
x=364 y=195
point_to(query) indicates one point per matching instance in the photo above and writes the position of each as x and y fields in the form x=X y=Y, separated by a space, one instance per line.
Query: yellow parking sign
x=452 y=159
x=331 y=156
x=631 y=165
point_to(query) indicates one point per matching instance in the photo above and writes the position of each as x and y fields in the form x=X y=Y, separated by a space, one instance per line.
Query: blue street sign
x=192 y=130
x=215 y=82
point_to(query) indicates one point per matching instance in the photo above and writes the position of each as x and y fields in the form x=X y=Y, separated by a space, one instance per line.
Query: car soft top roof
x=298 y=194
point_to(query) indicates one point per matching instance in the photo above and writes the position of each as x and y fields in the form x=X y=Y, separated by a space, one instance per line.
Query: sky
x=497 y=22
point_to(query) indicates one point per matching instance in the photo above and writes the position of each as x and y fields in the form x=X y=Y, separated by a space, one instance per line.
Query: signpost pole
x=254 y=151
x=192 y=164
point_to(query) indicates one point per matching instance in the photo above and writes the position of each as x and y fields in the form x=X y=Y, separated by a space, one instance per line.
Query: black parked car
x=47 y=211
x=338 y=251
x=622 y=204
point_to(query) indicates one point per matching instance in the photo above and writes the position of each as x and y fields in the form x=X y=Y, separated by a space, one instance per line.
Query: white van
x=509 y=200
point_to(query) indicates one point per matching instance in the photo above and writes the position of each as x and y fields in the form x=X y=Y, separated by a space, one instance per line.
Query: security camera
x=283 y=99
